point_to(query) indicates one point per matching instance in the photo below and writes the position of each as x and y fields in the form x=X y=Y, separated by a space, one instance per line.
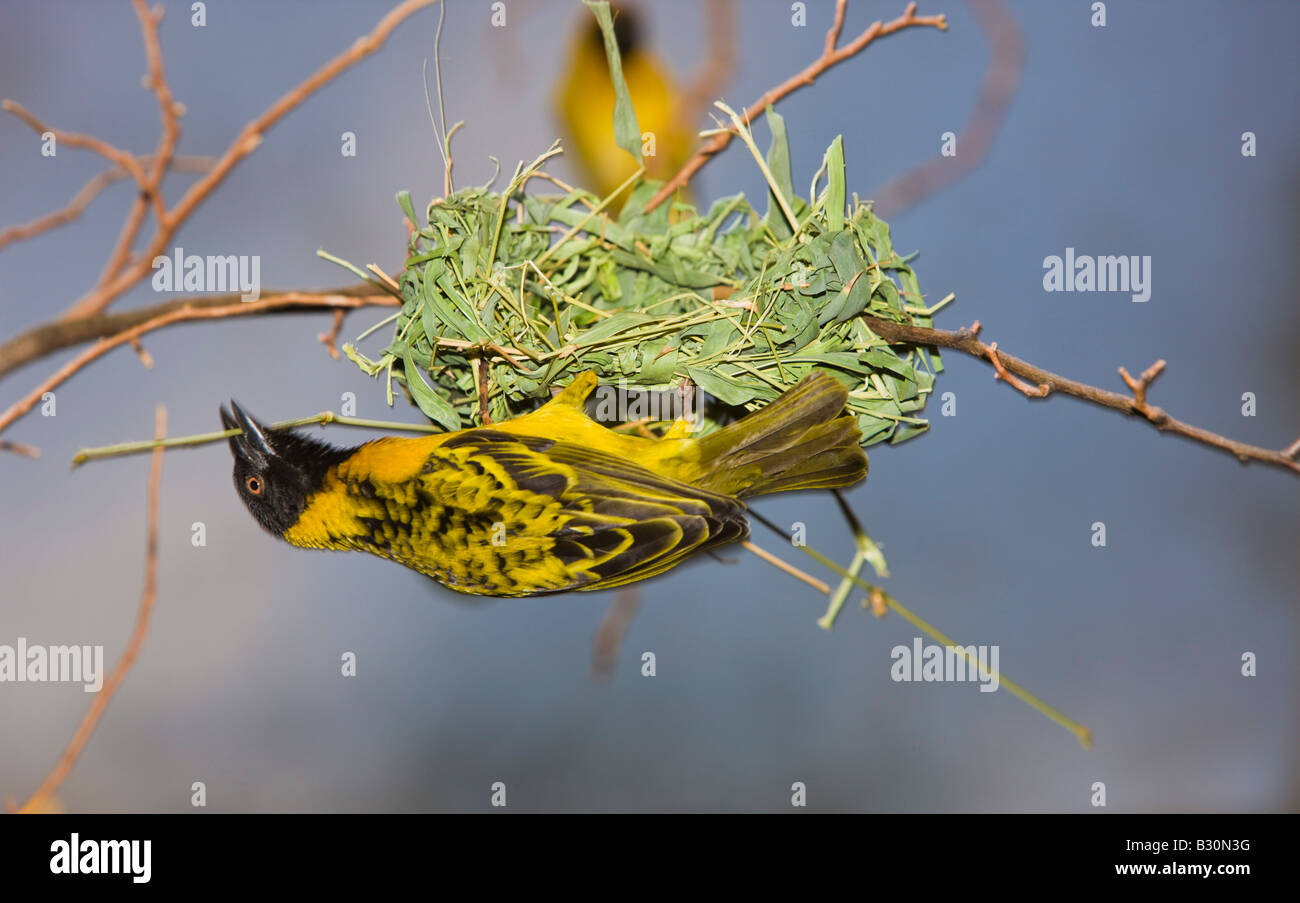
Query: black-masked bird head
x=276 y=471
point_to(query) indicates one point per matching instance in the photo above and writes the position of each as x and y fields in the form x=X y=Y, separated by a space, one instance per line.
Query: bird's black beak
x=253 y=445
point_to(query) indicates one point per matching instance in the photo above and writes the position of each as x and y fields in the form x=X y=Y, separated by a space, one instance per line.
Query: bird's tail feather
x=798 y=441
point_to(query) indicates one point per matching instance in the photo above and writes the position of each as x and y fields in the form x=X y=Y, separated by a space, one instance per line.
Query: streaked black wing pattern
x=617 y=522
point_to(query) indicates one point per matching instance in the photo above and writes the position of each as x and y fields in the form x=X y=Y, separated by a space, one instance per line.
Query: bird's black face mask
x=276 y=471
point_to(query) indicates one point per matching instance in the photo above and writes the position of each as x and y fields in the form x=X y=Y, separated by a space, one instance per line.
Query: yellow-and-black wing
x=501 y=514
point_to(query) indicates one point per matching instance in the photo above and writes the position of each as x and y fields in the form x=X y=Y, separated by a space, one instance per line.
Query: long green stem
x=1081 y=732
x=134 y=448
x=841 y=594
x=748 y=137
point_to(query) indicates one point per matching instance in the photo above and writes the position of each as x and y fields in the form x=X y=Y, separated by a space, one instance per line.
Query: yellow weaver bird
x=548 y=501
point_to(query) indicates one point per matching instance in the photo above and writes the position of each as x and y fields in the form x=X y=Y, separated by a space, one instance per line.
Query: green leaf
x=434 y=406
x=859 y=297
x=889 y=292
x=718 y=337
x=612 y=326
x=627 y=134
x=404 y=201
x=634 y=216
x=835 y=185
x=672 y=270
x=615 y=232
x=437 y=315
x=843 y=253
x=627 y=361
x=804 y=327
x=778 y=161
x=726 y=390
x=882 y=359
x=907 y=431
x=607 y=280
x=874 y=429
x=659 y=360
x=885 y=407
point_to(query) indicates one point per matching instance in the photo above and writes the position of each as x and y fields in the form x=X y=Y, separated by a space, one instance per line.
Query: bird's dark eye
x=254 y=484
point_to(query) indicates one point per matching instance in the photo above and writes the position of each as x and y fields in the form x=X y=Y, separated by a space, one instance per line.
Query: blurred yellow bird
x=585 y=103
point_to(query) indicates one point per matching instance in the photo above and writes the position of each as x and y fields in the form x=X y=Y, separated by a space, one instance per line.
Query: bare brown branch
x=613 y=627
x=181 y=314
x=81 y=200
x=47 y=338
x=976 y=136
x=88 y=723
x=481 y=376
x=968 y=342
x=1000 y=372
x=1139 y=385
x=113 y=154
x=330 y=339
x=108 y=290
x=718 y=65
x=829 y=57
x=819 y=585
x=150 y=196
x=19 y=448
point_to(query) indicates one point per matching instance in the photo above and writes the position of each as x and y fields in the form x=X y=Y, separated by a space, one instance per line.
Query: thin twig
x=718 y=65
x=968 y=342
x=56 y=335
x=25 y=404
x=740 y=127
x=81 y=200
x=20 y=448
x=386 y=279
x=976 y=136
x=169 y=110
x=829 y=57
x=112 y=154
x=243 y=145
x=330 y=339
x=146 y=359
x=150 y=196
x=1139 y=385
x=790 y=569
x=1000 y=372
x=613 y=628
x=481 y=373
x=84 y=730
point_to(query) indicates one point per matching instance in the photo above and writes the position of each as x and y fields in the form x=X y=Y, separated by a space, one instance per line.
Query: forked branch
x=831 y=54
x=1037 y=382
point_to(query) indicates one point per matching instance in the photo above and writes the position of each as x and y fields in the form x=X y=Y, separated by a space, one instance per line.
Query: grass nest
x=507 y=295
